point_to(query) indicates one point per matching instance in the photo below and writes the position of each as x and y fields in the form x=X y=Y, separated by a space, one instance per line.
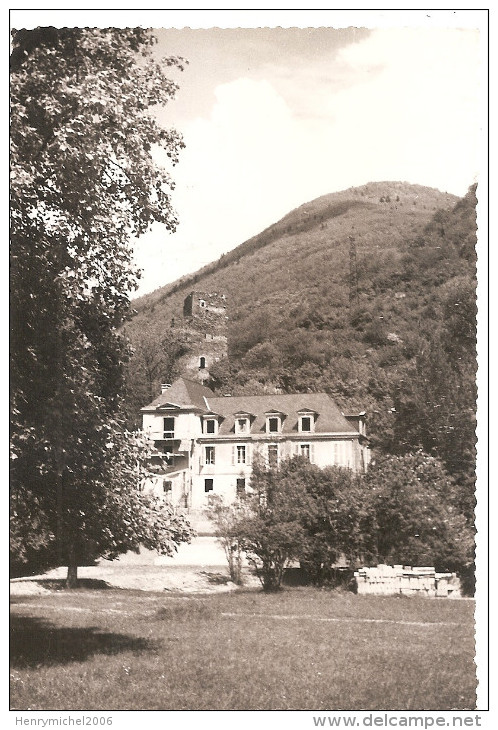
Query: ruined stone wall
x=206 y=313
x=204 y=328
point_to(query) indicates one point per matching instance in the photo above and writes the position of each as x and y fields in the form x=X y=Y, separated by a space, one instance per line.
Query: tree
x=228 y=519
x=126 y=517
x=335 y=513
x=435 y=412
x=83 y=182
x=270 y=532
x=153 y=360
x=418 y=522
x=302 y=512
x=338 y=518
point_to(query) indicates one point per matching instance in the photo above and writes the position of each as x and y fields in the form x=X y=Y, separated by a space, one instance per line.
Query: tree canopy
x=404 y=510
x=84 y=182
x=270 y=529
x=418 y=520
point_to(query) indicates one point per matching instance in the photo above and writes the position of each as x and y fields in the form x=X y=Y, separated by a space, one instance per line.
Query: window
x=337 y=458
x=241 y=487
x=304 y=450
x=209 y=455
x=210 y=425
x=341 y=454
x=241 y=454
x=273 y=456
x=273 y=425
x=241 y=425
x=274 y=420
x=202 y=303
x=167 y=486
x=202 y=363
x=169 y=428
x=208 y=485
x=305 y=423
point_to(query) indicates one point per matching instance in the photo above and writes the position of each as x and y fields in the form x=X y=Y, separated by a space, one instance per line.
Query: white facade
x=207 y=444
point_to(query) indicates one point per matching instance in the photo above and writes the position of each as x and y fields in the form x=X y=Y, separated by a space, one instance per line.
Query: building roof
x=184 y=393
x=188 y=394
x=329 y=417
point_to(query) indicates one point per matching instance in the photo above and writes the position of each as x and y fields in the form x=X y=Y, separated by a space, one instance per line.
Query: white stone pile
x=417 y=581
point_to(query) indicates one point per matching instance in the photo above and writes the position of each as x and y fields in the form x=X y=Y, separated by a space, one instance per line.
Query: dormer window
x=274 y=420
x=307 y=421
x=274 y=424
x=202 y=303
x=242 y=421
x=210 y=425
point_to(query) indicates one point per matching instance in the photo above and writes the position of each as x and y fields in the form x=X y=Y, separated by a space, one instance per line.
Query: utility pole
x=354 y=299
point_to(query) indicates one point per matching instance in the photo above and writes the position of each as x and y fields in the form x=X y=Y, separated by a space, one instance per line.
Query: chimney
x=165 y=387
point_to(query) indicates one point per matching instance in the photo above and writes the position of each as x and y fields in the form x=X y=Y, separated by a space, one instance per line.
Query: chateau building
x=206 y=444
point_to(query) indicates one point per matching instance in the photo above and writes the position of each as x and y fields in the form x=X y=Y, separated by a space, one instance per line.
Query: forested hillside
x=368 y=294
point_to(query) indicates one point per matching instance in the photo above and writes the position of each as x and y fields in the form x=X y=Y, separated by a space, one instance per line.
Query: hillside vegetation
x=384 y=214
x=390 y=331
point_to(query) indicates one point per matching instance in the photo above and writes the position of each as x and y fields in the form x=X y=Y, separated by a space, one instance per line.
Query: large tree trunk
x=72 y=569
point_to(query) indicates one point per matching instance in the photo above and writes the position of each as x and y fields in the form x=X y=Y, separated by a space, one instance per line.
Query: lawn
x=301 y=649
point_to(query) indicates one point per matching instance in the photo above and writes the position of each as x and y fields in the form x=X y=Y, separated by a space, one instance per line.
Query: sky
x=273 y=117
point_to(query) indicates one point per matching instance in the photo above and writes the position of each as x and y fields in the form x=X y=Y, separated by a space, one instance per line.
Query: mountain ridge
x=318 y=211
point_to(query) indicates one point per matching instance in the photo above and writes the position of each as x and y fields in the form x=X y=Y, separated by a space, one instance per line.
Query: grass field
x=299 y=649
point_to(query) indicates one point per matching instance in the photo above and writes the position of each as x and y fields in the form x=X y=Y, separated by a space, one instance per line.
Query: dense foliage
x=339 y=521
x=270 y=531
x=417 y=516
x=83 y=181
x=404 y=511
x=155 y=360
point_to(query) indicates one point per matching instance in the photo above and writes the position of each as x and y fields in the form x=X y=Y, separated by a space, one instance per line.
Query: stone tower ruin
x=206 y=322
